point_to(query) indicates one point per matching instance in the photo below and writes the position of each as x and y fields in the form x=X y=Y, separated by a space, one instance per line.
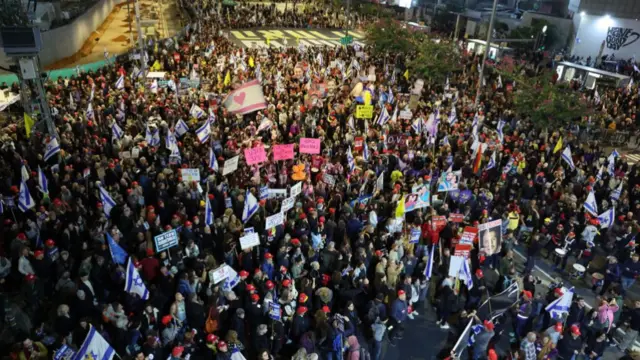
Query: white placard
x=219 y=274
x=274 y=220
x=190 y=175
x=249 y=241
x=380 y=182
x=135 y=153
x=230 y=165
x=329 y=179
x=405 y=114
x=455 y=264
x=277 y=193
x=296 y=189
x=287 y=204
x=125 y=155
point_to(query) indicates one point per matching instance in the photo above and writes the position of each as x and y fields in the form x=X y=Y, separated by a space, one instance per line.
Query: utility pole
x=348 y=16
x=486 y=53
x=143 y=54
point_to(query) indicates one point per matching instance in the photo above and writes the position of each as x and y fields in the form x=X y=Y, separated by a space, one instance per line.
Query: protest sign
x=449 y=181
x=219 y=274
x=439 y=221
x=414 y=237
x=309 y=146
x=282 y=152
x=274 y=311
x=230 y=165
x=190 y=175
x=490 y=237
x=249 y=230
x=296 y=189
x=287 y=204
x=256 y=155
x=455 y=264
x=166 y=240
x=264 y=192
x=418 y=200
x=329 y=179
x=249 y=241
x=468 y=235
x=405 y=115
x=380 y=182
x=364 y=111
x=358 y=143
x=456 y=218
x=276 y=193
x=274 y=220
x=463 y=250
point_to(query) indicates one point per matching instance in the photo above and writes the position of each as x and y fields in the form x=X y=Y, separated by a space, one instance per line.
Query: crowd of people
x=355 y=257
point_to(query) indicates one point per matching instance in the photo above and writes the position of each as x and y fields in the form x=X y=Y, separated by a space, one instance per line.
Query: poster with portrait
x=449 y=181
x=490 y=235
x=418 y=199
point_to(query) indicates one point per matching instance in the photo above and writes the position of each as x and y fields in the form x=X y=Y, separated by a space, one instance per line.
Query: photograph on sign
x=449 y=181
x=230 y=165
x=490 y=236
x=249 y=241
x=418 y=200
x=190 y=175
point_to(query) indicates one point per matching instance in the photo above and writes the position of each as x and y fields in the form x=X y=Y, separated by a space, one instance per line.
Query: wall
x=65 y=41
x=621 y=36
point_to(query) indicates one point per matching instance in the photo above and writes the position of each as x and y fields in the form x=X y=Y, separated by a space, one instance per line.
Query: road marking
x=632 y=158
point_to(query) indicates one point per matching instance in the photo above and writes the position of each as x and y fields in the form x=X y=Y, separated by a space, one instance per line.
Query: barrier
x=10 y=79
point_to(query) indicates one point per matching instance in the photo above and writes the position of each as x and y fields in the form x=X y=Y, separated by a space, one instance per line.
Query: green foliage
x=389 y=36
x=532 y=32
x=435 y=60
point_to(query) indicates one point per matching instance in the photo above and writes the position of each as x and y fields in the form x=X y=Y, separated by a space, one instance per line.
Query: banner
x=282 y=152
x=449 y=181
x=256 y=155
x=309 y=146
x=245 y=99
x=490 y=236
x=190 y=175
x=364 y=111
x=497 y=305
x=230 y=165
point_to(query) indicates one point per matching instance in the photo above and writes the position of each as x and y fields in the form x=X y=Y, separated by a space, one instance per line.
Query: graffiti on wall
x=618 y=37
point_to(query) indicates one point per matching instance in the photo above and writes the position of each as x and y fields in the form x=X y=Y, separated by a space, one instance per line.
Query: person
x=482 y=340
x=632 y=325
x=554 y=333
x=33 y=350
x=630 y=271
x=570 y=344
x=528 y=346
x=596 y=346
x=397 y=317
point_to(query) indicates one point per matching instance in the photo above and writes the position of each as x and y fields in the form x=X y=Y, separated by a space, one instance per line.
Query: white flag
x=250 y=206
x=591 y=204
x=107 y=201
x=566 y=156
x=133 y=283
x=51 y=149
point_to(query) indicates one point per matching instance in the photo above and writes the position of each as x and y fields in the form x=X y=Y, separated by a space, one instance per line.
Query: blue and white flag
x=615 y=153
x=213 y=162
x=384 y=117
x=208 y=211
x=154 y=86
x=95 y=347
x=42 y=181
x=560 y=305
x=417 y=126
x=93 y=90
x=365 y=151
x=89 y=114
x=170 y=141
x=116 y=131
x=501 y=124
x=596 y=97
x=152 y=137
x=232 y=280
x=453 y=116
x=250 y=206
x=599 y=174
x=1 y=207
x=607 y=218
x=465 y=274
x=499 y=82
x=181 y=128
x=204 y=132
x=351 y=123
x=591 y=205
x=24 y=173
x=25 y=201
x=394 y=117
x=446 y=84
x=120 y=82
x=196 y=111
x=615 y=194
x=566 y=156
x=118 y=254
x=212 y=117
x=428 y=270
x=133 y=283
x=51 y=149
x=611 y=164
x=107 y=201
x=492 y=162
x=351 y=162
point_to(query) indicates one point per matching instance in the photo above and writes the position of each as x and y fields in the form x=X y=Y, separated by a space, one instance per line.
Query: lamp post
x=540 y=38
x=486 y=52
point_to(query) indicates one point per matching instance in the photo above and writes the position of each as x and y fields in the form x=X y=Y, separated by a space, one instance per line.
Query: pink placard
x=309 y=146
x=282 y=152
x=255 y=155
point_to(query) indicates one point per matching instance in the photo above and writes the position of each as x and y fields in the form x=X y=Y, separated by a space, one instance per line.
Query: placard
x=439 y=221
x=468 y=235
x=380 y=182
x=264 y=192
x=274 y=220
x=463 y=250
x=358 y=143
x=364 y=111
x=405 y=114
x=414 y=237
x=287 y=204
x=274 y=311
x=329 y=179
x=219 y=274
x=230 y=165
x=296 y=189
x=490 y=237
x=255 y=155
x=249 y=241
x=190 y=175
x=283 y=152
x=166 y=240
x=125 y=155
x=455 y=217
x=449 y=181
x=455 y=264
x=309 y=146
x=277 y=193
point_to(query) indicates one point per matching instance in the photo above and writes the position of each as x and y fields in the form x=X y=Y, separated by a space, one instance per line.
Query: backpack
x=373 y=312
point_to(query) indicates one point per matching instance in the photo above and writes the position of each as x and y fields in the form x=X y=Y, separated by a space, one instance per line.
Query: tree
x=533 y=32
x=435 y=60
x=390 y=36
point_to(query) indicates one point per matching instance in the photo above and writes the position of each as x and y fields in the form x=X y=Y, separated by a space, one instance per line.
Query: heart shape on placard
x=239 y=99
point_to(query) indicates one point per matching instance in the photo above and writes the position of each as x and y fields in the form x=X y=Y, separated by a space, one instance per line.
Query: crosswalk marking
x=632 y=158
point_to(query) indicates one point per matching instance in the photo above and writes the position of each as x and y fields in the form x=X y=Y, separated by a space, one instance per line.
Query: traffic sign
x=346 y=40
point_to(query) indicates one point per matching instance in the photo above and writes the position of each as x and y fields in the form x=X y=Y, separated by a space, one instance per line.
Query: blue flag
x=118 y=254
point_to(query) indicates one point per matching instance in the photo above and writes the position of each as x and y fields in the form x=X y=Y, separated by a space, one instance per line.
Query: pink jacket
x=354 y=348
x=605 y=312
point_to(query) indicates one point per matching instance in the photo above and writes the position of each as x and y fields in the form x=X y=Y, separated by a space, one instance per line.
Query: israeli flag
x=212 y=117
x=599 y=174
x=500 y=126
x=42 y=180
x=154 y=86
x=170 y=141
x=566 y=156
x=453 y=116
x=417 y=126
x=319 y=59
x=232 y=280
x=611 y=164
x=250 y=206
x=213 y=162
x=492 y=162
x=596 y=97
x=181 y=128
x=365 y=152
x=51 y=149
x=615 y=153
x=107 y=201
x=350 y=160
x=428 y=270
x=136 y=72
x=196 y=111
x=499 y=82
x=351 y=123
x=89 y=114
x=204 y=132
x=93 y=90
x=133 y=283
x=394 y=117
x=607 y=218
x=465 y=274
x=95 y=347
x=384 y=117
x=591 y=204
x=208 y=212
x=615 y=194
x=118 y=254
x=25 y=201
x=152 y=137
x=560 y=305
x=116 y=131
x=120 y=82
x=390 y=97
x=24 y=173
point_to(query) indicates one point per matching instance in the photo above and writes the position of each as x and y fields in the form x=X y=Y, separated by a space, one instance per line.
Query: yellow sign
x=364 y=111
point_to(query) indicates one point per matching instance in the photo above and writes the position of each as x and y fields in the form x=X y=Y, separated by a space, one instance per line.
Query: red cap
x=255 y=297
x=302 y=298
x=286 y=283
x=378 y=253
x=38 y=253
x=303 y=216
x=243 y=273
x=268 y=256
x=166 y=319
x=50 y=242
x=401 y=292
x=558 y=327
x=295 y=242
x=269 y=284
x=321 y=219
x=250 y=287
x=527 y=293
x=30 y=277
x=211 y=338
x=489 y=325
x=575 y=330
x=188 y=223
x=301 y=310
x=479 y=273
x=21 y=236
x=222 y=344
x=326 y=309
x=558 y=291
x=167 y=227
x=177 y=351
x=150 y=252
x=492 y=355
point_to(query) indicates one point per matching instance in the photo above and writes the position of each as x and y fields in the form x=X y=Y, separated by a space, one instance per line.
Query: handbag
x=211 y=325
